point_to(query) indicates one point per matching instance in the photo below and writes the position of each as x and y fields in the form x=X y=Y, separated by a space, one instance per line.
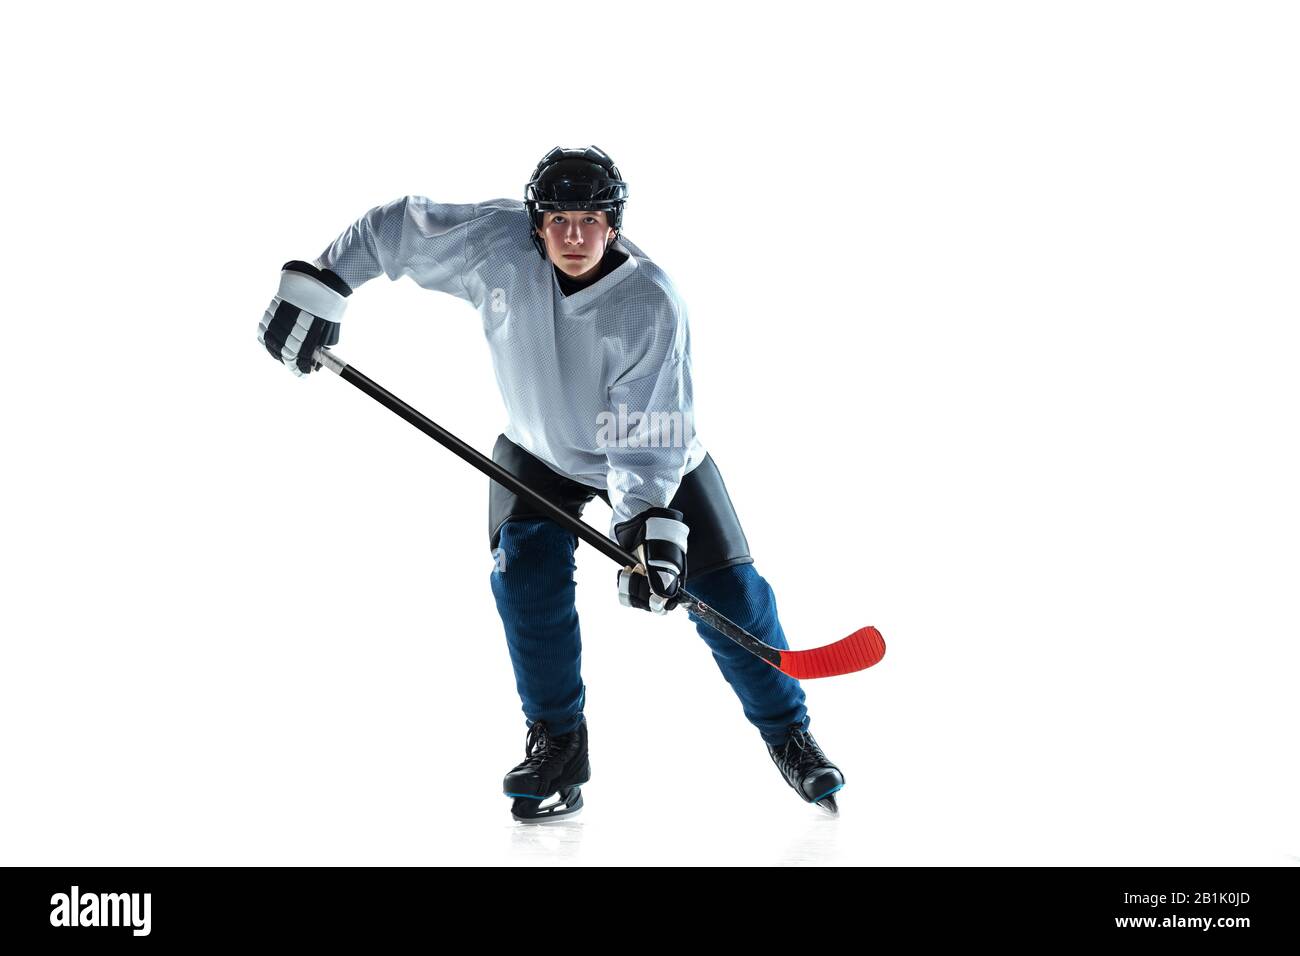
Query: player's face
x=575 y=241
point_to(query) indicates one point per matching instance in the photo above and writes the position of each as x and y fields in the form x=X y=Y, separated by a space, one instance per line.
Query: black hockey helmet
x=574 y=179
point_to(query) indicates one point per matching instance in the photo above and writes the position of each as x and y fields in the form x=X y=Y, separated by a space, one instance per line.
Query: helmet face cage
x=572 y=179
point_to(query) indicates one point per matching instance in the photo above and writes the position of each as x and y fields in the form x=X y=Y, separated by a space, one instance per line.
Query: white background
x=994 y=321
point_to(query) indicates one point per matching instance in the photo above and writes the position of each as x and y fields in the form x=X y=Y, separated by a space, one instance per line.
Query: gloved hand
x=304 y=315
x=657 y=537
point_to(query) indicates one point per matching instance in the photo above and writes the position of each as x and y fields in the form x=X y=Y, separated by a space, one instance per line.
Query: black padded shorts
x=716 y=539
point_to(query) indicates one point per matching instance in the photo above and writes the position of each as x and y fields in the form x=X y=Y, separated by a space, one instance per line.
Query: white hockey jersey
x=596 y=384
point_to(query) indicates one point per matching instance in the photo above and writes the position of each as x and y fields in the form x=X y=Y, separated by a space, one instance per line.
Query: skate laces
x=541 y=744
x=537 y=746
x=808 y=755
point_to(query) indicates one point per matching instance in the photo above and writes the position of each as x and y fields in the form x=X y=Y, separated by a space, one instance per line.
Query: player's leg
x=772 y=701
x=532 y=581
x=721 y=573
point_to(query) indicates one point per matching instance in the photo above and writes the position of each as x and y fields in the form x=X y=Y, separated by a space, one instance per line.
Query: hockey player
x=591 y=350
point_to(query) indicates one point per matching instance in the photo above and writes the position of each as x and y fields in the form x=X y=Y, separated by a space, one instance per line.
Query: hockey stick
x=856 y=652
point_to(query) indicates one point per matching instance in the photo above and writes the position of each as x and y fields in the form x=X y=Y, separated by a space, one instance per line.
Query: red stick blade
x=856 y=652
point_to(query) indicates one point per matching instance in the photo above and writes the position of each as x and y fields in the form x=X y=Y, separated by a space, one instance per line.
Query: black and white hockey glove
x=657 y=537
x=304 y=315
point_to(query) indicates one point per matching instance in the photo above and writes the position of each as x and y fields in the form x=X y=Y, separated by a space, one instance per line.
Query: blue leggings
x=534 y=589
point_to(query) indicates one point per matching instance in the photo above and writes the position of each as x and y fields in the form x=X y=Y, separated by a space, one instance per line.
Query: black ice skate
x=554 y=766
x=807 y=770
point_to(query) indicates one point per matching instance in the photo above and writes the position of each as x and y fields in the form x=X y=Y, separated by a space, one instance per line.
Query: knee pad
x=739 y=592
x=532 y=546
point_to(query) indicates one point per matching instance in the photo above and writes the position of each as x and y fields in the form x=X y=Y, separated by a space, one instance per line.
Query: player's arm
x=647 y=459
x=409 y=236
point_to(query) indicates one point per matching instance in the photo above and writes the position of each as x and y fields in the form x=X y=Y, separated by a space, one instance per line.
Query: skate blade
x=827 y=802
x=564 y=805
x=560 y=817
x=828 y=805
